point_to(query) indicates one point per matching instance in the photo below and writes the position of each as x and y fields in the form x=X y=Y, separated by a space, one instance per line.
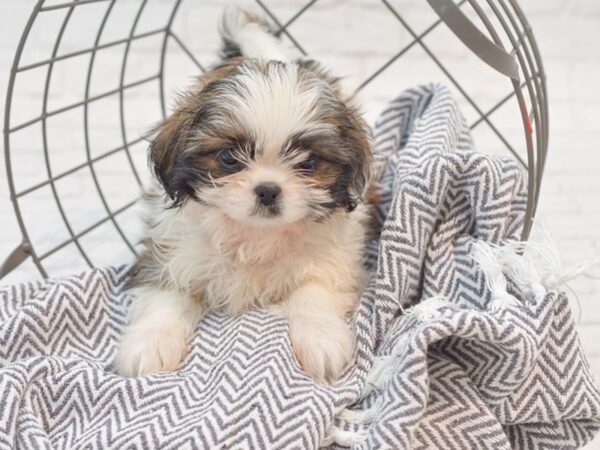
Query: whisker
x=212 y=180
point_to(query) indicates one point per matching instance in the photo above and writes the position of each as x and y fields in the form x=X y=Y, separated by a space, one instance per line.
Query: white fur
x=270 y=108
x=275 y=105
x=320 y=337
x=223 y=254
x=161 y=325
x=236 y=266
x=307 y=272
x=253 y=40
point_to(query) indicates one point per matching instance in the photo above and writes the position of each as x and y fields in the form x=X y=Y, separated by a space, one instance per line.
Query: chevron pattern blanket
x=460 y=343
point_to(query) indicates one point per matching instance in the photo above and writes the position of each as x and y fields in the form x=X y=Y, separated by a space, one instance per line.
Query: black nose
x=267 y=193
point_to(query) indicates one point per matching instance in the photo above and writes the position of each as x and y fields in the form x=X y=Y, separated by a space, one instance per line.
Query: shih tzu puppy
x=263 y=168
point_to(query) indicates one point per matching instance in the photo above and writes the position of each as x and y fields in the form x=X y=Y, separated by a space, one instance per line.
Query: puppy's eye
x=310 y=163
x=228 y=160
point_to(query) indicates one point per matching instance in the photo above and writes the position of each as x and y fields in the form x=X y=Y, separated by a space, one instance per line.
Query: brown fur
x=224 y=244
x=344 y=166
x=174 y=133
x=372 y=199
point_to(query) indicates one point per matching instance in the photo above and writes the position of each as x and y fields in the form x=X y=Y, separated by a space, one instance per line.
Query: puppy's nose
x=267 y=193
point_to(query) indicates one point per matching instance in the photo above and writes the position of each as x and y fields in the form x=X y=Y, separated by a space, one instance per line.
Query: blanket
x=463 y=338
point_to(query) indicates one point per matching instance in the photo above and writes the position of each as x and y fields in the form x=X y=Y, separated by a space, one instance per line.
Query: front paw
x=324 y=346
x=145 y=350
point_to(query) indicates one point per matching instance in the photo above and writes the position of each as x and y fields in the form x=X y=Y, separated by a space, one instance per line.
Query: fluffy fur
x=262 y=167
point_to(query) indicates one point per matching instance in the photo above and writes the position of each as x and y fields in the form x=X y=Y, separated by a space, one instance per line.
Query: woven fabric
x=460 y=372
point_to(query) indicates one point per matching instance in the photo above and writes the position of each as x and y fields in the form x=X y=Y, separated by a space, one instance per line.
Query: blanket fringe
x=534 y=266
x=485 y=256
x=382 y=369
x=544 y=253
x=431 y=308
x=345 y=438
x=359 y=416
x=384 y=366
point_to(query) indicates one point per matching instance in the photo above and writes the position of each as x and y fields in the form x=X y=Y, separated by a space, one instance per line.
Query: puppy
x=262 y=167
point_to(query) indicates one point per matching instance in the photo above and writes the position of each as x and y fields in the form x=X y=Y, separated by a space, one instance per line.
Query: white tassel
x=566 y=274
x=521 y=269
x=543 y=254
x=345 y=438
x=501 y=302
x=430 y=309
x=486 y=257
x=384 y=367
x=381 y=371
x=359 y=416
x=535 y=266
x=517 y=264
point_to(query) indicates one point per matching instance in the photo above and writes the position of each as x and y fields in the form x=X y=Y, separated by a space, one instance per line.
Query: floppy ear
x=167 y=149
x=355 y=132
x=167 y=153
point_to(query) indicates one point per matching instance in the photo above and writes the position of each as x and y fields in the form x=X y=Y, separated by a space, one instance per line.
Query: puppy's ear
x=166 y=150
x=356 y=134
x=169 y=150
x=355 y=131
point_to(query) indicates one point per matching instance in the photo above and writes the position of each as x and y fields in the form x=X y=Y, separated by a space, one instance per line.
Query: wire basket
x=79 y=102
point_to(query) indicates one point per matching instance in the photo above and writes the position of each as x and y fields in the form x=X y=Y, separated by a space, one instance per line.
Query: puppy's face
x=264 y=143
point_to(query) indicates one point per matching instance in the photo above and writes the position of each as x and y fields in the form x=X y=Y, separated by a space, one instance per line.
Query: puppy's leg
x=156 y=339
x=321 y=339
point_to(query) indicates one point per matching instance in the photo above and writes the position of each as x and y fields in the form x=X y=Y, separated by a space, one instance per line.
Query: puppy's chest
x=235 y=282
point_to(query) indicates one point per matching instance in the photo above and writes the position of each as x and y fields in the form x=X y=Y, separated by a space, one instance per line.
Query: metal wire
x=528 y=90
x=45 y=137
x=25 y=245
x=86 y=127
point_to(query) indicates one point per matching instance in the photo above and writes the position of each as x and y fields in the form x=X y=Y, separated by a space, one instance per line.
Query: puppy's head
x=266 y=143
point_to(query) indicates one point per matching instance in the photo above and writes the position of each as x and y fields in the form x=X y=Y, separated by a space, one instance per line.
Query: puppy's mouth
x=268 y=212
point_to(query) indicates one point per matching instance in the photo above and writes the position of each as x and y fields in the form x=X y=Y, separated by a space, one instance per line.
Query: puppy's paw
x=324 y=346
x=145 y=350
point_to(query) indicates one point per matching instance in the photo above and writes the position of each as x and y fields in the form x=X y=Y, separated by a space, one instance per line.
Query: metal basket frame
x=521 y=63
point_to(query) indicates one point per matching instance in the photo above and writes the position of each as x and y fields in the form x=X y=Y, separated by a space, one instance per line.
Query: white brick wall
x=347 y=35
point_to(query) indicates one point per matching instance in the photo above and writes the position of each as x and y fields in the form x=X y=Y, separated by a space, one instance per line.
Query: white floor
x=354 y=37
